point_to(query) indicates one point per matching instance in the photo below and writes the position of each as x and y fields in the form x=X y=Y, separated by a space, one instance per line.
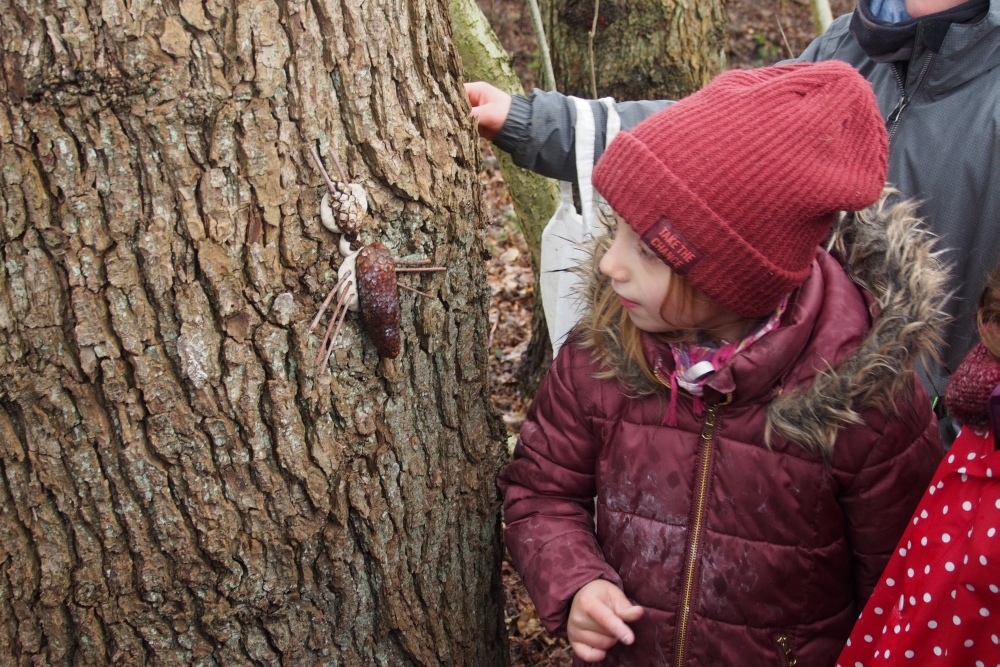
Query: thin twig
x=326 y=176
x=493 y=330
x=407 y=287
x=788 y=48
x=590 y=48
x=333 y=318
x=420 y=269
x=329 y=298
x=333 y=340
x=543 y=44
x=406 y=262
x=343 y=174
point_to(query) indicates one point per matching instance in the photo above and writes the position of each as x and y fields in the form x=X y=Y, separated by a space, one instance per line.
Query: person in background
x=938 y=602
x=746 y=415
x=935 y=68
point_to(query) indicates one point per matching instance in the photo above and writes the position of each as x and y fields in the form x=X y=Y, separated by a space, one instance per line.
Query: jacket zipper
x=893 y=120
x=704 y=468
x=786 y=651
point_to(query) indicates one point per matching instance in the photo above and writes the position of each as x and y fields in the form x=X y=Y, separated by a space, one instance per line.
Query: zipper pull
x=895 y=113
x=709 y=424
x=786 y=648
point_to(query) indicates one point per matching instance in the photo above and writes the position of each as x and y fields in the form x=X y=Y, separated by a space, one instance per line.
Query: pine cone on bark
x=344 y=211
x=379 y=298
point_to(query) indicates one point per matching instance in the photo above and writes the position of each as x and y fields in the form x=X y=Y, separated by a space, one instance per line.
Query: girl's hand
x=490 y=105
x=597 y=620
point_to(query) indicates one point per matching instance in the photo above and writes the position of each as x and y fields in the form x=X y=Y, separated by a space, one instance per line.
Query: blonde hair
x=988 y=317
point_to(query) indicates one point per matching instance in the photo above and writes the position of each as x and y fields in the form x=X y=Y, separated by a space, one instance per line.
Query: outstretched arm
x=539 y=131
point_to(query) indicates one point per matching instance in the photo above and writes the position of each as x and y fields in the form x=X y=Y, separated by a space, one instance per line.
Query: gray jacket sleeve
x=539 y=132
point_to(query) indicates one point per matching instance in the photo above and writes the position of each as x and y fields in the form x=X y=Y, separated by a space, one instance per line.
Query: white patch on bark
x=193 y=352
x=284 y=308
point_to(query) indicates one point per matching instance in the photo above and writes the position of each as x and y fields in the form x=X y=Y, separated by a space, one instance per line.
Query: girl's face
x=643 y=283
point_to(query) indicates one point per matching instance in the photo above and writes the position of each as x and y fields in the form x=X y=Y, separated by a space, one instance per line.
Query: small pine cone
x=347 y=208
x=378 y=297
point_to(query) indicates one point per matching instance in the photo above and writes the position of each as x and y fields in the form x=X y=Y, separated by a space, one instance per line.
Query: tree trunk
x=179 y=483
x=643 y=49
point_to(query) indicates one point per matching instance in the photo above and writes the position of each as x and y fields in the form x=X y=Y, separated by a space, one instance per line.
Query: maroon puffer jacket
x=742 y=554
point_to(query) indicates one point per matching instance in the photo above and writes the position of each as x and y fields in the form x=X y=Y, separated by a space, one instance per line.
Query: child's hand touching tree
x=490 y=105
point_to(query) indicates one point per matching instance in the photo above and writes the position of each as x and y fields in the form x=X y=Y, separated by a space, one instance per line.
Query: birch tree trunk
x=643 y=49
x=179 y=483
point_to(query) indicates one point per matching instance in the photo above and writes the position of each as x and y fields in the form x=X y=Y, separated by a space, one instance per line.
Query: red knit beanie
x=735 y=185
x=968 y=393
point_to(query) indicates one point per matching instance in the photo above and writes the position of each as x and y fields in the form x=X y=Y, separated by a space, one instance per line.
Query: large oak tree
x=180 y=482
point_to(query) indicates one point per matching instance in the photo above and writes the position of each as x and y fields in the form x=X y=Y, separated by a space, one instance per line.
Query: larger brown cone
x=378 y=298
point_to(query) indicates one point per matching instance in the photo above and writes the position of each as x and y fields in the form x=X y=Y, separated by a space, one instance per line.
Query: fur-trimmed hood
x=843 y=367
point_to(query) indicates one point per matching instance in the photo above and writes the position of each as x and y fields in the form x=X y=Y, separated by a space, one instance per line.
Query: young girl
x=745 y=414
x=938 y=601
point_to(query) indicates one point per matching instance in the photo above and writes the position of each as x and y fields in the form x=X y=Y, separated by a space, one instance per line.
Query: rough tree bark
x=179 y=484
x=643 y=49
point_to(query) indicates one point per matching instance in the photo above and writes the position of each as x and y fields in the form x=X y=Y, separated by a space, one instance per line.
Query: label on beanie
x=671 y=246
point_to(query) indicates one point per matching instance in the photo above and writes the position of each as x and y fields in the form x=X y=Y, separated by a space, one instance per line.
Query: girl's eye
x=646 y=251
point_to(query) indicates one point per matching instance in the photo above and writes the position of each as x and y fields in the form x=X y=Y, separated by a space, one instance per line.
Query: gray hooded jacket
x=944 y=124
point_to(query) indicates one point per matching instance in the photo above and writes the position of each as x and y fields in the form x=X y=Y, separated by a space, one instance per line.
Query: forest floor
x=761 y=32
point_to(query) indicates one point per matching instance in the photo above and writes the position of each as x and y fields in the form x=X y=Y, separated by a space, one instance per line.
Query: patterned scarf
x=696 y=362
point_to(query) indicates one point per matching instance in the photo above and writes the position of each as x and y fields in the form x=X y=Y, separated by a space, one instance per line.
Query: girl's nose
x=612 y=264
